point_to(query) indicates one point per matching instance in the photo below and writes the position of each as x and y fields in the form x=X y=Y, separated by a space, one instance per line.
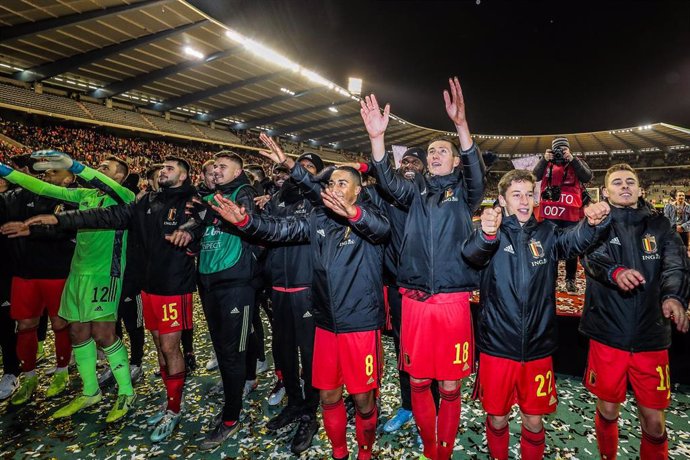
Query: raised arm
x=37 y=186
x=114 y=217
x=287 y=230
x=577 y=240
x=482 y=244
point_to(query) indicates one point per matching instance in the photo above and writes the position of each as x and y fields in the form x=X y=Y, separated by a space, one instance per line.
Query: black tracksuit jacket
x=438 y=223
x=346 y=259
x=46 y=254
x=518 y=283
x=167 y=269
x=644 y=240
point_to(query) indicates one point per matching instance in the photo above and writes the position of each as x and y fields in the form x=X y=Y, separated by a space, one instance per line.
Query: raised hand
x=375 y=121
x=274 y=152
x=229 y=210
x=675 y=310
x=338 y=205
x=597 y=212
x=261 y=200
x=491 y=220
x=455 y=103
x=15 y=229
x=41 y=219
x=5 y=170
x=629 y=279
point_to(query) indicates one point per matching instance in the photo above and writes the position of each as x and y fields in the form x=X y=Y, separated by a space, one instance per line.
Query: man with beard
x=345 y=237
x=290 y=266
x=437 y=340
x=168 y=272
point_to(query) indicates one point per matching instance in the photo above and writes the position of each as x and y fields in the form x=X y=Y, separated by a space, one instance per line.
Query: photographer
x=561 y=199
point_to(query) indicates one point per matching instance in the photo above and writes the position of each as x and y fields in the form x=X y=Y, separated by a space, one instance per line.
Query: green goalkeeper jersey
x=98 y=252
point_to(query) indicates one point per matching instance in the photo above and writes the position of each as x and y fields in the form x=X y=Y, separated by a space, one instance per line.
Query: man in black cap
x=290 y=267
x=562 y=177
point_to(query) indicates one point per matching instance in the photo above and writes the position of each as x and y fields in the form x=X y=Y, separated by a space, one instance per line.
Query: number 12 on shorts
x=462 y=352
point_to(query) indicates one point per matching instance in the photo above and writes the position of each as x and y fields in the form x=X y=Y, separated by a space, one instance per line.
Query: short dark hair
x=619 y=167
x=122 y=166
x=453 y=147
x=152 y=170
x=184 y=164
x=230 y=155
x=257 y=170
x=516 y=175
x=356 y=176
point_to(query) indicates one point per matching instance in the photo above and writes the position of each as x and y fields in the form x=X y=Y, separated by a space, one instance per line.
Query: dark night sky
x=526 y=67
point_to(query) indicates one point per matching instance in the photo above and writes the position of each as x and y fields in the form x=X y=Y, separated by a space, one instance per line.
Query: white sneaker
x=261 y=367
x=135 y=373
x=106 y=377
x=212 y=363
x=8 y=384
x=249 y=386
x=277 y=394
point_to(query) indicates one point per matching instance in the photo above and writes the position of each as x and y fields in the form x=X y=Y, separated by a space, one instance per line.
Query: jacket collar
x=233 y=185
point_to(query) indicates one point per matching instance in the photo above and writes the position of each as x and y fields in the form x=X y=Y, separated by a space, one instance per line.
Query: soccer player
x=436 y=340
x=8 y=335
x=517 y=327
x=345 y=237
x=227 y=264
x=290 y=266
x=40 y=265
x=91 y=294
x=168 y=272
x=637 y=283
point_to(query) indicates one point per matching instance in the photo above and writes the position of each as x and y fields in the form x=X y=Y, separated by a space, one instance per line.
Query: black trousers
x=293 y=344
x=130 y=312
x=229 y=312
x=8 y=331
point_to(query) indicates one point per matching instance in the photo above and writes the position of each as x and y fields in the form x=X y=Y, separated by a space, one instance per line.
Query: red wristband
x=243 y=222
x=357 y=216
x=489 y=237
x=363 y=168
x=616 y=272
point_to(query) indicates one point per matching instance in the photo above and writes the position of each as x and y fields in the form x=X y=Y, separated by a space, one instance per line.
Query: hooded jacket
x=518 y=283
x=643 y=240
x=438 y=222
x=346 y=257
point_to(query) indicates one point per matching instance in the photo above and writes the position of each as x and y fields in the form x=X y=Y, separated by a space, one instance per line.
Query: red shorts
x=350 y=358
x=503 y=382
x=167 y=313
x=609 y=370
x=30 y=298
x=436 y=340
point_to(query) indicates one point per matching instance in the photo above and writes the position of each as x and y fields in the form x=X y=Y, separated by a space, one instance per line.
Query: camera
x=558 y=155
x=551 y=193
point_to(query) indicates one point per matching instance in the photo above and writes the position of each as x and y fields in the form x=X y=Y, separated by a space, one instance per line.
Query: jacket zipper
x=521 y=243
x=432 y=289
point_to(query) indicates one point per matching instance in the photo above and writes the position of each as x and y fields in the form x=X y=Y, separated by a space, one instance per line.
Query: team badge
x=536 y=249
x=449 y=194
x=649 y=244
x=172 y=213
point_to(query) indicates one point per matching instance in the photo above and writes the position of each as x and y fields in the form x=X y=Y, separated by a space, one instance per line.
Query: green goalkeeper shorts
x=87 y=298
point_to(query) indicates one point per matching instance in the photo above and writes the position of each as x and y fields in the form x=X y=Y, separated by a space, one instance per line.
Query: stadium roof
x=167 y=56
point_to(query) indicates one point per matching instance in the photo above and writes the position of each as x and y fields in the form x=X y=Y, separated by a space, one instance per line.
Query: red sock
x=63 y=347
x=424 y=412
x=365 y=428
x=607 y=436
x=498 y=440
x=279 y=374
x=164 y=373
x=335 y=424
x=653 y=448
x=532 y=444
x=174 y=385
x=448 y=421
x=27 y=347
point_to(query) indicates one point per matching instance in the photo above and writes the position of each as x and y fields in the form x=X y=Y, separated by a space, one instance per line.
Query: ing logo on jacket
x=448 y=196
x=537 y=251
x=649 y=247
